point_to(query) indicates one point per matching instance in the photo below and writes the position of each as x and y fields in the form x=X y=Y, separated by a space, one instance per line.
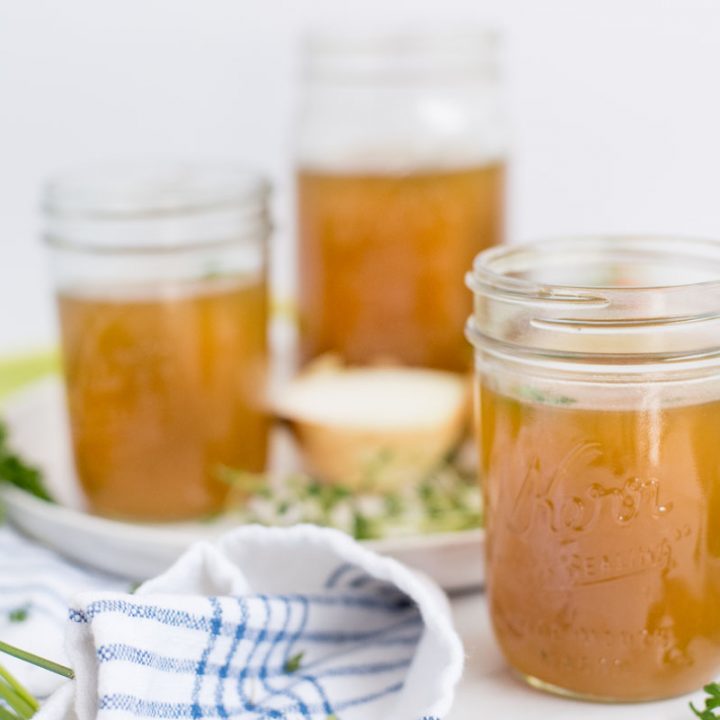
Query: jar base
x=546 y=687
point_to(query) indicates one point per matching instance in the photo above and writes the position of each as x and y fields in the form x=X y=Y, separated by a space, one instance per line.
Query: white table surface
x=489 y=691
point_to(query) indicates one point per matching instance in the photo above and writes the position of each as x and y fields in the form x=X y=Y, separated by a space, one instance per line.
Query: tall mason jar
x=160 y=274
x=598 y=367
x=400 y=169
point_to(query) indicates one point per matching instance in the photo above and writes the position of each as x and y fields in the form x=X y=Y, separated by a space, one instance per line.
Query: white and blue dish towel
x=287 y=624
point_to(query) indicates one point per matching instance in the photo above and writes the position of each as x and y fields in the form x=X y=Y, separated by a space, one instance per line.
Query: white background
x=615 y=107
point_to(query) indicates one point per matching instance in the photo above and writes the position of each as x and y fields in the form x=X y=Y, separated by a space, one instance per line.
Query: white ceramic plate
x=37 y=421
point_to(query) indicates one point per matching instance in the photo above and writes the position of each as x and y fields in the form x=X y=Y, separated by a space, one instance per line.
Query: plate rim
x=23 y=510
x=17 y=499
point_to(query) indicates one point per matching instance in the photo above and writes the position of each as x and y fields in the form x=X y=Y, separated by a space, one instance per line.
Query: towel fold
x=299 y=624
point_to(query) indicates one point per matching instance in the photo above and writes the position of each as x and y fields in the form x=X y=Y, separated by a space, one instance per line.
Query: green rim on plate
x=19 y=370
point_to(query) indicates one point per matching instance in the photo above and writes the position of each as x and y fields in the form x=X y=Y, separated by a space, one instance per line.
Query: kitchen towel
x=298 y=624
x=35 y=588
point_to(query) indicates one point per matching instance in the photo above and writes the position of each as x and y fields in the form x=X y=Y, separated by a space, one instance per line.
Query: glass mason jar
x=598 y=366
x=160 y=274
x=401 y=155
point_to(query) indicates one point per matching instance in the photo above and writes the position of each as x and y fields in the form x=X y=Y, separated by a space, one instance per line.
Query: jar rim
x=602 y=302
x=132 y=188
x=402 y=54
x=153 y=205
x=497 y=268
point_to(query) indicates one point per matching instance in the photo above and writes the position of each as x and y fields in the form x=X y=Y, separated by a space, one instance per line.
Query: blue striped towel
x=297 y=624
x=35 y=588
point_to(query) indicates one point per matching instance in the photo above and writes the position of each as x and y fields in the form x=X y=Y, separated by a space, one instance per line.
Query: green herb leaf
x=362 y=527
x=20 y=704
x=293 y=663
x=537 y=396
x=19 y=614
x=711 y=703
x=448 y=499
x=7 y=715
x=36 y=660
x=15 y=471
x=16 y=703
x=18 y=690
x=393 y=505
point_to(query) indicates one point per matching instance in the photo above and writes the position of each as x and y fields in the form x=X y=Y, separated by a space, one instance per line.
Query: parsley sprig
x=446 y=500
x=712 y=703
x=294 y=663
x=17 y=472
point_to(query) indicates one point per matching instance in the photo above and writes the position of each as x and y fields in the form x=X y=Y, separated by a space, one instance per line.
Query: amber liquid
x=382 y=262
x=162 y=391
x=604 y=544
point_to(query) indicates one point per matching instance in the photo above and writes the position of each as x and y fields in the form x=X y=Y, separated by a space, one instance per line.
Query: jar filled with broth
x=160 y=274
x=401 y=159
x=598 y=368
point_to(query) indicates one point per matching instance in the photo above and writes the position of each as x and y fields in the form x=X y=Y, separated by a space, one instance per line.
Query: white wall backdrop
x=615 y=107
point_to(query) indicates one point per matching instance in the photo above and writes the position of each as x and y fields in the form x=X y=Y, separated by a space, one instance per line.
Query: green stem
x=19 y=689
x=7 y=715
x=36 y=660
x=15 y=701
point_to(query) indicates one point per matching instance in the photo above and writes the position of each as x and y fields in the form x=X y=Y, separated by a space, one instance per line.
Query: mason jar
x=598 y=396
x=160 y=273
x=400 y=177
